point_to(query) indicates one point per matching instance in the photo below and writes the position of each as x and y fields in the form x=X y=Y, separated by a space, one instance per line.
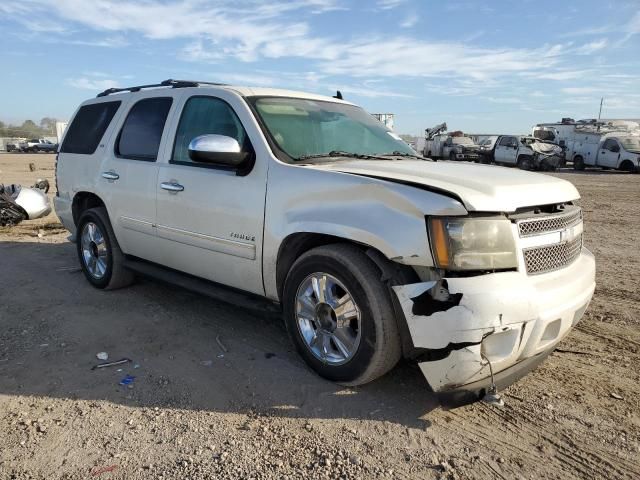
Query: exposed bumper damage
x=461 y=324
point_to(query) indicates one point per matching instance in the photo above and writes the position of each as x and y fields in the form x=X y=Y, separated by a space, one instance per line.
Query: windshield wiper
x=339 y=153
x=403 y=154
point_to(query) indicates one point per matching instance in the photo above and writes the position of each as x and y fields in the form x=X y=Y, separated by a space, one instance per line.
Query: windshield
x=305 y=128
x=462 y=141
x=631 y=144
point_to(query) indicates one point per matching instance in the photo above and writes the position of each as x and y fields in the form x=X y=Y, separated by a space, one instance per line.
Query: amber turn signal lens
x=440 y=243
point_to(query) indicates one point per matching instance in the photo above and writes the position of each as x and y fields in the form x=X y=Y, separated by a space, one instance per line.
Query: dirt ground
x=256 y=411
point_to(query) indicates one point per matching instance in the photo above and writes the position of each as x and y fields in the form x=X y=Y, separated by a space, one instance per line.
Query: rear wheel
x=578 y=163
x=340 y=316
x=99 y=253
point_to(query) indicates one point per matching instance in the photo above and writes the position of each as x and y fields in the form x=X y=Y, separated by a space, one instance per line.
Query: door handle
x=110 y=175
x=171 y=186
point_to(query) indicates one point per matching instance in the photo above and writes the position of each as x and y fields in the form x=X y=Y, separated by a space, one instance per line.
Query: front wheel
x=340 y=316
x=452 y=156
x=525 y=162
x=99 y=253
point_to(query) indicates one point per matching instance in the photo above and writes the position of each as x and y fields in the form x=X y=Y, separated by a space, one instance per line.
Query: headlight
x=466 y=243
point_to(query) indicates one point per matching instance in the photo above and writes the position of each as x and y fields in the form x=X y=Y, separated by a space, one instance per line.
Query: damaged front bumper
x=459 y=325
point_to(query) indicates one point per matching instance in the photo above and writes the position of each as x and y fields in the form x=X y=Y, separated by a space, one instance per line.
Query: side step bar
x=207 y=288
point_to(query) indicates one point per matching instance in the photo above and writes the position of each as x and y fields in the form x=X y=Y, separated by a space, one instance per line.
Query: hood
x=482 y=188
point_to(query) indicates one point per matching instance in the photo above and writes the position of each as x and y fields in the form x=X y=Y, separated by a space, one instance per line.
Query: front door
x=609 y=154
x=210 y=220
x=506 y=150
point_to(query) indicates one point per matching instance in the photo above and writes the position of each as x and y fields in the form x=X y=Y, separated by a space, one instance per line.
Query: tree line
x=29 y=128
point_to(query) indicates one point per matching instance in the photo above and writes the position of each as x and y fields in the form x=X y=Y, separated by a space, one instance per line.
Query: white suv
x=372 y=251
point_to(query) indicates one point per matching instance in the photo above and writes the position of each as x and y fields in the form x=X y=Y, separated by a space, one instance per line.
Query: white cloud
x=410 y=20
x=91 y=83
x=389 y=4
x=253 y=30
x=592 y=47
x=581 y=90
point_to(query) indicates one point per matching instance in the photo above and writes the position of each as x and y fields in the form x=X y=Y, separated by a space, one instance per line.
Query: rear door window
x=142 y=130
x=88 y=127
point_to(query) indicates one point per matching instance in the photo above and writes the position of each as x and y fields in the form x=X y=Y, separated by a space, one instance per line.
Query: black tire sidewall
x=358 y=364
x=91 y=216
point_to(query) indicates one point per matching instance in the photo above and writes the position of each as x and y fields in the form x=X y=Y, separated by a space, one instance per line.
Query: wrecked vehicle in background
x=373 y=252
x=438 y=143
x=18 y=203
x=527 y=153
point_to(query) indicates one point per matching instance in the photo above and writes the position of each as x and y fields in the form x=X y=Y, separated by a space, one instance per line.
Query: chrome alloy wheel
x=94 y=250
x=328 y=318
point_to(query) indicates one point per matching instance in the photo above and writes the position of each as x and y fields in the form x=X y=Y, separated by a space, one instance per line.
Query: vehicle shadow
x=186 y=350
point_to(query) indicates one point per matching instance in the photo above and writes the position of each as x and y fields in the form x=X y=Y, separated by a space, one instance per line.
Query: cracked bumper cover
x=507 y=318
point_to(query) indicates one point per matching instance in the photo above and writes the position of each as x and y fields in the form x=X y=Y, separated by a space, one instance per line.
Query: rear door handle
x=171 y=186
x=110 y=175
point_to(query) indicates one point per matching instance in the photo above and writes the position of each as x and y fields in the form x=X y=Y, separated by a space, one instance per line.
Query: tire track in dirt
x=495 y=426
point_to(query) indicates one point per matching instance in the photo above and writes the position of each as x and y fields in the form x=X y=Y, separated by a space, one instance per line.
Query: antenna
x=600 y=112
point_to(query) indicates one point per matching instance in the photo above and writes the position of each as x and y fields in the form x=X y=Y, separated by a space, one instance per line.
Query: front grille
x=551 y=223
x=552 y=257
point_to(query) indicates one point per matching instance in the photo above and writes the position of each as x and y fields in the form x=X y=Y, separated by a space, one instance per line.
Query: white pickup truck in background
x=527 y=153
x=618 y=151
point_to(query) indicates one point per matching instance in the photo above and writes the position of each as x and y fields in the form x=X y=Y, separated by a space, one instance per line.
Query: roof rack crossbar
x=166 y=83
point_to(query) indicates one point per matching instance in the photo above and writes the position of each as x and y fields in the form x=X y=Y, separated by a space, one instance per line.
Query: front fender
x=386 y=216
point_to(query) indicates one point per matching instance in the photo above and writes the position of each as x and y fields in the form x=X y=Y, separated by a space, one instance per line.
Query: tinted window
x=88 y=127
x=611 y=145
x=205 y=115
x=142 y=130
x=506 y=141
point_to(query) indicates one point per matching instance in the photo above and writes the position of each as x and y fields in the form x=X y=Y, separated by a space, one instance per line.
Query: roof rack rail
x=166 y=83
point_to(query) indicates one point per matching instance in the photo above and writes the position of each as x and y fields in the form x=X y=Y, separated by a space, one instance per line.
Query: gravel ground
x=256 y=411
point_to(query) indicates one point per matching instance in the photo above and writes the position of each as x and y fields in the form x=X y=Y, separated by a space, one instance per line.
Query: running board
x=204 y=287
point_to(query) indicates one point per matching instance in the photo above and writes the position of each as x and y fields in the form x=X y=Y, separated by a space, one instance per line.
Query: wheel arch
x=83 y=201
x=626 y=165
x=391 y=273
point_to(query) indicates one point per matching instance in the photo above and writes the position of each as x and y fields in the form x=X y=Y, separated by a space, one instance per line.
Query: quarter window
x=141 y=133
x=88 y=127
x=206 y=115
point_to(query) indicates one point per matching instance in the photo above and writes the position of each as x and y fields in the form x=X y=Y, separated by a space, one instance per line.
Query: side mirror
x=217 y=149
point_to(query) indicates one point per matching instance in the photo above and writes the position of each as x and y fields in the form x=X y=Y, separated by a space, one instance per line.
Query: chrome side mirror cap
x=218 y=150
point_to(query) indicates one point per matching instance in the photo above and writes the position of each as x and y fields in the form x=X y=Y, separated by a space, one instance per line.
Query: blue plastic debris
x=128 y=380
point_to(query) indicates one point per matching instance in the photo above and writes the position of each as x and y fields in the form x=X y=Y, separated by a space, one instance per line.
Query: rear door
x=210 y=219
x=129 y=173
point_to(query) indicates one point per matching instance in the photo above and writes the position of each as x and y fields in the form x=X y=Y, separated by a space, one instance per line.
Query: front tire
x=340 y=316
x=100 y=256
x=525 y=162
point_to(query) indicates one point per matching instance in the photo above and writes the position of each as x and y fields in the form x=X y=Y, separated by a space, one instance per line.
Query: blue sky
x=497 y=66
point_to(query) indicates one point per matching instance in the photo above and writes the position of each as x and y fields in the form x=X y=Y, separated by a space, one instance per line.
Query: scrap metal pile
x=18 y=203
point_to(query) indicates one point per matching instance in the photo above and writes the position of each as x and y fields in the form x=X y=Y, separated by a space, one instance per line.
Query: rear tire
x=578 y=163
x=100 y=256
x=372 y=333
